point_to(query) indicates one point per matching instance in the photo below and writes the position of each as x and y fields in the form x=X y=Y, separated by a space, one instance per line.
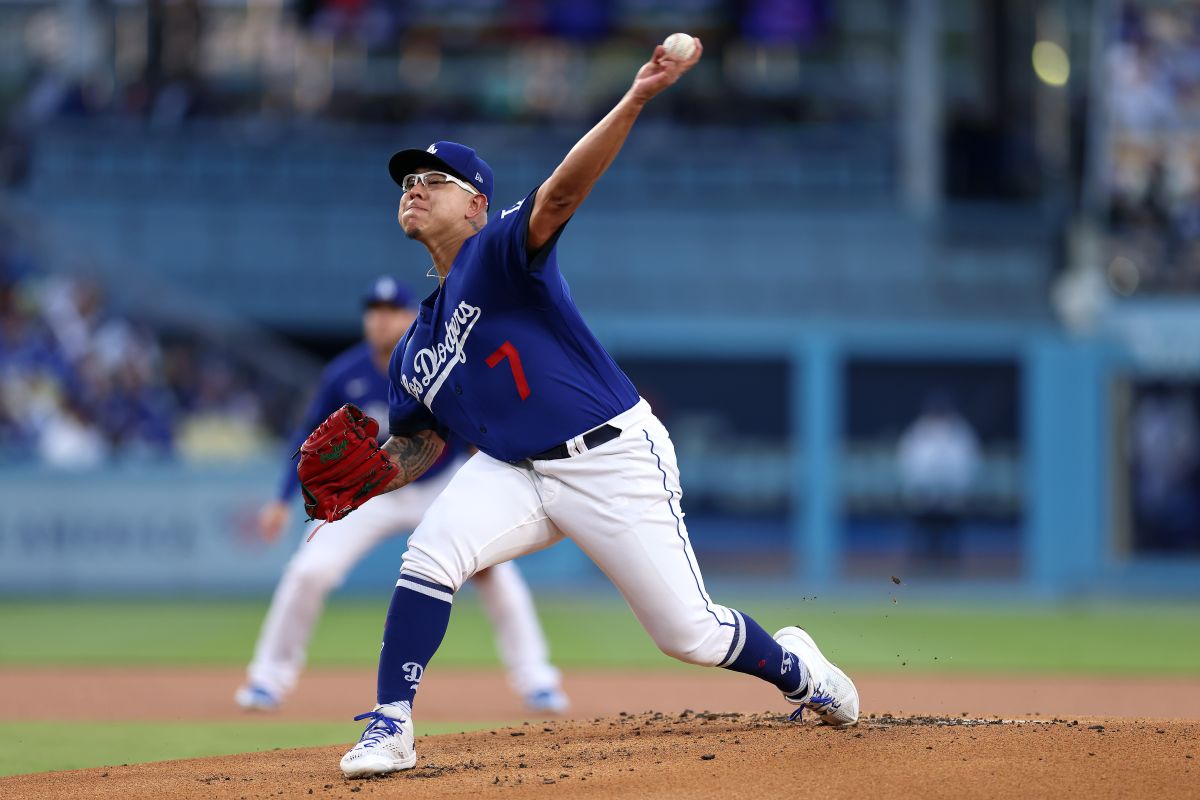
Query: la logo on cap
x=431 y=149
x=478 y=177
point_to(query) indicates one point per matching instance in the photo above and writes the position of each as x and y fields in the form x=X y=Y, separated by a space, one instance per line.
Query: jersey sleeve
x=406 y=414
x=324 y=402
x=505 y=238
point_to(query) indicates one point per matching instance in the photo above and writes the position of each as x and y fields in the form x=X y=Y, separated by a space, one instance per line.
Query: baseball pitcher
x=500 y=356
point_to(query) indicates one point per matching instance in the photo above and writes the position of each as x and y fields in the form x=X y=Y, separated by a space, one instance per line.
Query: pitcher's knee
x=440 y=568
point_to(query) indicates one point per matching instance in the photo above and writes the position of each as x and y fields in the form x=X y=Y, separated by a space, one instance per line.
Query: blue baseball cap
x=386 y=290
x=457 y=159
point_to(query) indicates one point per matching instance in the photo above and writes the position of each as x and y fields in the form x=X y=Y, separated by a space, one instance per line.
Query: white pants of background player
x=321 y=565
x=619 y=503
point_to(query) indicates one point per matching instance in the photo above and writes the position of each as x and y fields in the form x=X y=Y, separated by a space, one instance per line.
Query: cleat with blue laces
x=829 y=693
x=386 y=745
x=547 y=701
x=253 y=697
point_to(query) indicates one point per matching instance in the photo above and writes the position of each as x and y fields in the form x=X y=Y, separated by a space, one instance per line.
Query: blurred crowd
x=1165 y=467
x=396 y=60
x=82 y=386
x=1154 y=106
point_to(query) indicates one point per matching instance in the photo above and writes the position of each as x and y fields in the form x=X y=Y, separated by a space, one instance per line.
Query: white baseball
x=679 y=46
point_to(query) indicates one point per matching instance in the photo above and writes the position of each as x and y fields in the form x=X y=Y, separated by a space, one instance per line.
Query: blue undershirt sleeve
x=324 y=402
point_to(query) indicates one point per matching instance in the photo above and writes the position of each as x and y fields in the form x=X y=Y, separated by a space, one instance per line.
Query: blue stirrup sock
x=416 y=622
x=754 y=652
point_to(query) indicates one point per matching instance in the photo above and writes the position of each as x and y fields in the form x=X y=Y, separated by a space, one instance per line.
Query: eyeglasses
x=431 y=179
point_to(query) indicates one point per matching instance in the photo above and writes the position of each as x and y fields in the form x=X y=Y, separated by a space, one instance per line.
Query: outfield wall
x=168 y=528
x=782 y=512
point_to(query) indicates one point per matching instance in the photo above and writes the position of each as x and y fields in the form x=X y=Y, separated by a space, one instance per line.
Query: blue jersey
x=353 y=378
x=500 y=355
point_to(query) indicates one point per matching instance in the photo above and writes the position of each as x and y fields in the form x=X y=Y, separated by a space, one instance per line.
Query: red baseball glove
x=341 y=466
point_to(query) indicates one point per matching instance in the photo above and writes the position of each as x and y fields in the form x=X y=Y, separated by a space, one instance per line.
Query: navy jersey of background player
x=353 y=378
x=499 y=353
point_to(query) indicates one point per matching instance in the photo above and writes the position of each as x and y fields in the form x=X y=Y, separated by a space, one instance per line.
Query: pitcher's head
x=446 y=185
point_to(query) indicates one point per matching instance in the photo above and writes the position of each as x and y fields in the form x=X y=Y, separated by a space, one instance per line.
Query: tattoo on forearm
x=412 y=455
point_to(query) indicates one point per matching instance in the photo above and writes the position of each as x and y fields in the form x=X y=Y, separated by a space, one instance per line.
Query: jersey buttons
x=483 y=428
x=457 y=389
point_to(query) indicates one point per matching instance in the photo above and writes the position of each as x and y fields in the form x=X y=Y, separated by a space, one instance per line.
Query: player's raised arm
x=572 y=181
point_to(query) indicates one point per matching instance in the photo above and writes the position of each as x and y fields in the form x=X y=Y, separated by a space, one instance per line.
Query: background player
x=359 y=376
x=500 y=355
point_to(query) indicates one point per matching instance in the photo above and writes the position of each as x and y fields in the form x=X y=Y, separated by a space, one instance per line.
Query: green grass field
x=882 y=637
x=1094 y=640
x=41 y=746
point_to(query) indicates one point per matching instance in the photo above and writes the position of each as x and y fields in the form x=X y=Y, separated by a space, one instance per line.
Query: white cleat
x=830 y=694
x=548 y=701
x=254 y=697
x=385 y=746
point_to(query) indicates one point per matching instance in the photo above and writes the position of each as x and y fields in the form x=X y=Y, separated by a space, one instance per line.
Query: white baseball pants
x=321 y=565
x=618 y=502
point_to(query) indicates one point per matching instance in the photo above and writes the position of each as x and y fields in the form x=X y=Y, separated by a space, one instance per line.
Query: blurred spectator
x=68 y=440
x=1153 y=72
x=938 y=458
x=789 y=22
x=80 y=385
x=583 y=20
x=1166 y=471
x=171 y=87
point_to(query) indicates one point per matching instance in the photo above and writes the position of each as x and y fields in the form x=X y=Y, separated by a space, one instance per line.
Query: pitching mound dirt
x=691 y=755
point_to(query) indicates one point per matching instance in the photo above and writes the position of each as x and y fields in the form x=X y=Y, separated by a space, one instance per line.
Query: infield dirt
x=978 y=737
x=690 y=755
x=183 y=694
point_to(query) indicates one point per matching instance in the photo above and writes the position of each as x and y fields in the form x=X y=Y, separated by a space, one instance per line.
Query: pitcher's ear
x=478 y=205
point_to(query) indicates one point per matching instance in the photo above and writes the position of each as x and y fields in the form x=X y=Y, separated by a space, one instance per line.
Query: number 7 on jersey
x=504 y=351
